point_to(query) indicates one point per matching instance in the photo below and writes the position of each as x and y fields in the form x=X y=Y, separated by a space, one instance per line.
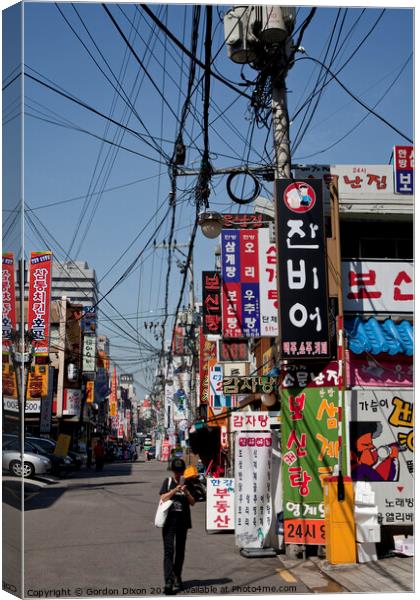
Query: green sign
x=310 y=451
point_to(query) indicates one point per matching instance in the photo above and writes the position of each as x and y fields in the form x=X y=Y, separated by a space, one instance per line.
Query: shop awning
x=376 y=336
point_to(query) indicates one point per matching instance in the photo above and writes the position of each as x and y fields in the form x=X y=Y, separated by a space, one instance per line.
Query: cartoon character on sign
x=369 y=462
x=299 y=197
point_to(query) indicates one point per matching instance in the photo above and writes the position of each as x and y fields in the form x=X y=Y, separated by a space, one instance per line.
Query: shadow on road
x=201 y=583
x=34 y=495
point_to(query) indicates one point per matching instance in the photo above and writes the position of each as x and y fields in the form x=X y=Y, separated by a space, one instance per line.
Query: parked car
x=74 y=459
x=58 y=463
x=34 y=463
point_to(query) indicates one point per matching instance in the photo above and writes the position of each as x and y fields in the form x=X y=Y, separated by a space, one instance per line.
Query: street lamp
x=211 y=223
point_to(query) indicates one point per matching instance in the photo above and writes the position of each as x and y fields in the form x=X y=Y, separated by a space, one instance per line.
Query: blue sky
x=64 y=164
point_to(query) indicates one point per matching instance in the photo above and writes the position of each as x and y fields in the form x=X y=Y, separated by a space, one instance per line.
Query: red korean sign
x=212 y=304
x=9 y=301
x=39 y=299
x=113 y=402
x=178 y=342
x=404 y=169
x=208 y=352
x=243 y=221
x=378 y=286
x=304 y=330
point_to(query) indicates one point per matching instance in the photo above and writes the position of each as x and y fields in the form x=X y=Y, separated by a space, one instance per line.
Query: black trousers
x=174 y=538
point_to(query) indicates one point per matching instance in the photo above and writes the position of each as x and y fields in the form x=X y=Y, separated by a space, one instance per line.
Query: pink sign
x=377 y=372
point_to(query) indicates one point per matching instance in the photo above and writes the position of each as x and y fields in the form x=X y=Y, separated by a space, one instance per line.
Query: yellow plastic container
x=340 y=529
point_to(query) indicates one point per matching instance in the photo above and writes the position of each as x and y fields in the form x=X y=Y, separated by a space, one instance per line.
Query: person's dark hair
x=359 y=428
x=177 y=465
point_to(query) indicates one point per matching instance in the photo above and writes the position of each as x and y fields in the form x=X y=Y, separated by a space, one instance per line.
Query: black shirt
x=179 y=513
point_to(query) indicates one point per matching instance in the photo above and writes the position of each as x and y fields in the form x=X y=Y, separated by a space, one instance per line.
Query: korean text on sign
x=220 y=504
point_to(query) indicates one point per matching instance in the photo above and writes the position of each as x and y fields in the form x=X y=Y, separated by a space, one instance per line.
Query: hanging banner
x=382 y=450
x=220 y=506
x=39 y=298
x=302 y=276
x=113 y=402
x=249 y=284
x=310 y=447
x=404 y=169
x=208 y=351
x=378 y=286
x=253 y=511
x=178 y=342
x=231 y=287
x=72 y=402
x=212 y=303
x=89 y=354
x=268 y=285
x=9 y=300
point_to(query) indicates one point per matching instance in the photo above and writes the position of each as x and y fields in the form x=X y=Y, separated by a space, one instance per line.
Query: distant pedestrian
x=176 y=526
x=99 y=452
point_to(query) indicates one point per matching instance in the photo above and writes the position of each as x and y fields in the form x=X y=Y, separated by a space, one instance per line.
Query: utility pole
x=190 y=323
x=260 y=36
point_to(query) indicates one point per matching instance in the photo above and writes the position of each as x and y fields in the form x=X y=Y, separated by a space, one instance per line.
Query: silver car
x=32 y=464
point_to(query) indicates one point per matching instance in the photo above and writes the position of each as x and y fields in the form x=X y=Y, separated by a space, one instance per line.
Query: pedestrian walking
x=99 y=452
x=176 y=525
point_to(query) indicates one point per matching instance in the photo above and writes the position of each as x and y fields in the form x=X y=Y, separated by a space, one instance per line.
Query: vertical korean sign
x=249 y=284
x=39 y=298
x=404 y=169
x=9 y=302
x=253 y=488
x=113 y=403
x=231 y=286
x=301 y=271
x=212 y=307
x=208 y=351
x=310 y=452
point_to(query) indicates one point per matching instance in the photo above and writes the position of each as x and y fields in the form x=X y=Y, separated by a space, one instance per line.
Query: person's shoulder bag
x=163 y=508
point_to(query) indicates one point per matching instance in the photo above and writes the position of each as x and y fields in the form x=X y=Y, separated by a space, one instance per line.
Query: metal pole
x=341 y=347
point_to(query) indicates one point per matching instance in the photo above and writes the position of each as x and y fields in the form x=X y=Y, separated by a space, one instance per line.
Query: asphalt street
x=92 y=534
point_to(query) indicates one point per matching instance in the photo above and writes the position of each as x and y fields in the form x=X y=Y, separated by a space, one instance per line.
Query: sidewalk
x=394 y=574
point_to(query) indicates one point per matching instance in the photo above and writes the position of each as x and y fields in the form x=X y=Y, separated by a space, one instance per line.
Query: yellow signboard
x=63 y=445
x=38 y=382
x=90 y=392
x=9 y=387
